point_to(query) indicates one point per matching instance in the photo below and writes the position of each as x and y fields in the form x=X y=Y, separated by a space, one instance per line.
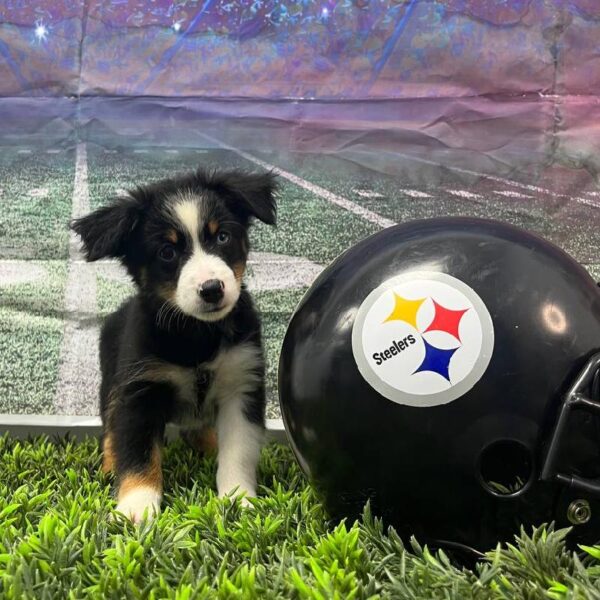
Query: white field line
x=589 y=202
x=415 y=193
x=340 y=201
x=464 y=194
x=367 y=193
x=78 y=375
x=525 y=186
x=513 y=194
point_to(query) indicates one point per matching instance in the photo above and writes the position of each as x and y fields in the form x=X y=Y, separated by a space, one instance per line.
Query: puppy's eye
x=167 y=253
x=223 y=237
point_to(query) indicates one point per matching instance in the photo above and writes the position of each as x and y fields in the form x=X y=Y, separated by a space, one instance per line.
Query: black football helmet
x=447 y=370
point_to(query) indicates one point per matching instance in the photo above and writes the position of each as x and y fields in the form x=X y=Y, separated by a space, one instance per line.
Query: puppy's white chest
x=192 y=387
x=234 y=373
x=183 y=380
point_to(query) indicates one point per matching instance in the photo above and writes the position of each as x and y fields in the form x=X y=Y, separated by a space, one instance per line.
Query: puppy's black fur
x=160 y=363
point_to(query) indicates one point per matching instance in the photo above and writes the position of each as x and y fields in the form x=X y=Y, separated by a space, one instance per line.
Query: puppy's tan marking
x=143 y=275
x=210 y=443
x=108 y=454
x=171 y=236
x=151 y=477
x=167 y=291
x=203 y=441
x=239 y=268
x=213 y=227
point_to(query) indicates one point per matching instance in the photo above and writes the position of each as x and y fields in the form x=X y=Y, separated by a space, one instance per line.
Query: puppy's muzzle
x=212 y=291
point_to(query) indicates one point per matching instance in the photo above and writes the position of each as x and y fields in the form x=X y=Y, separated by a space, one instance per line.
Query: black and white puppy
x=186 y=348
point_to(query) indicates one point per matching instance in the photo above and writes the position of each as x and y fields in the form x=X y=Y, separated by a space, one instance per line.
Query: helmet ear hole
x=506 y=468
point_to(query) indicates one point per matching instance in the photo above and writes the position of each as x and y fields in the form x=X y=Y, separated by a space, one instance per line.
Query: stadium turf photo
x=52 y=300
x=59 y=536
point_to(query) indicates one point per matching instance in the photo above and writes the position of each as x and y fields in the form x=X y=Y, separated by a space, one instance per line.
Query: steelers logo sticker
x=423 y=339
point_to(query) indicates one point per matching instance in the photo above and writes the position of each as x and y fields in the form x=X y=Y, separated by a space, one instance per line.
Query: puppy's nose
x=211 y=291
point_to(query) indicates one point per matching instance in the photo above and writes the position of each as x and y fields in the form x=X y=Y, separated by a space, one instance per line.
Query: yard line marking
x=78 y=374
x=269 y=271
x=140 y=151
x=172 y=151
x=526 y=186
x=367 y=193
x=81 y=196
x=53 y=151
x=415 y=193
x=464 y=194
x=340 y=201
x=24 y=151
x=512 y=194
x=13 y=272
x=588 y=202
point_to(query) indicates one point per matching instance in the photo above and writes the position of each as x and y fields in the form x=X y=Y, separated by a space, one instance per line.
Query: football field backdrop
x=372 y=113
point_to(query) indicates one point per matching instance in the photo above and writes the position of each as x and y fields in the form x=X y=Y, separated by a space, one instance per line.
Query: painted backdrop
x=373 y=112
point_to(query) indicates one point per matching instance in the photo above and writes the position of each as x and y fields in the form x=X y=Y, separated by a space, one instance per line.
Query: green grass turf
x=31 y=331
x=59 y=538
x=111 y=294
x=276 y=308
x=35 y=204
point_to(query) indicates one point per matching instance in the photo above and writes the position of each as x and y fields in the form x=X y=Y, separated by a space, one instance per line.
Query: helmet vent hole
x=505 y=468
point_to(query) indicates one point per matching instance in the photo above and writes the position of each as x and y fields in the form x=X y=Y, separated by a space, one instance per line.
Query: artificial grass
x=57 y=540
x=35 y=199
x=31 y=331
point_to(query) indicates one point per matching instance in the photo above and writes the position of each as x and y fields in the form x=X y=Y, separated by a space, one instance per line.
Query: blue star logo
x=436 y=360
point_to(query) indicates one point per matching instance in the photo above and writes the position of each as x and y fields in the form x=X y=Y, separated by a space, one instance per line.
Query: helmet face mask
x=519 y=445
x=565 y=467
x=579 y=397
x=571 y=456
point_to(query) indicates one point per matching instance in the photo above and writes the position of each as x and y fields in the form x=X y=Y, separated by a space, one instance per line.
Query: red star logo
x=446 y=320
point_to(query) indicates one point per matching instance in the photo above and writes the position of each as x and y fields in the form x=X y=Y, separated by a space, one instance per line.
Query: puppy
x=186 y=348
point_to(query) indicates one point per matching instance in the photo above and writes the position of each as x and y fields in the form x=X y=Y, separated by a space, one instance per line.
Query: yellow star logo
x=405 y=310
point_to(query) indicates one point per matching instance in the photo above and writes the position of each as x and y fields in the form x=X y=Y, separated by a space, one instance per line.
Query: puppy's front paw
x=140 y=503
x=246 y=503
x=236 y=492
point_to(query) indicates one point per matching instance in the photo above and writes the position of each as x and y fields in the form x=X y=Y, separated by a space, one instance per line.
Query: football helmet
x=447 y=370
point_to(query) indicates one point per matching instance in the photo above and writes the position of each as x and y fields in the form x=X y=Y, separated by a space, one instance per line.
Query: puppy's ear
x=106 y=231
x=252 y=195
